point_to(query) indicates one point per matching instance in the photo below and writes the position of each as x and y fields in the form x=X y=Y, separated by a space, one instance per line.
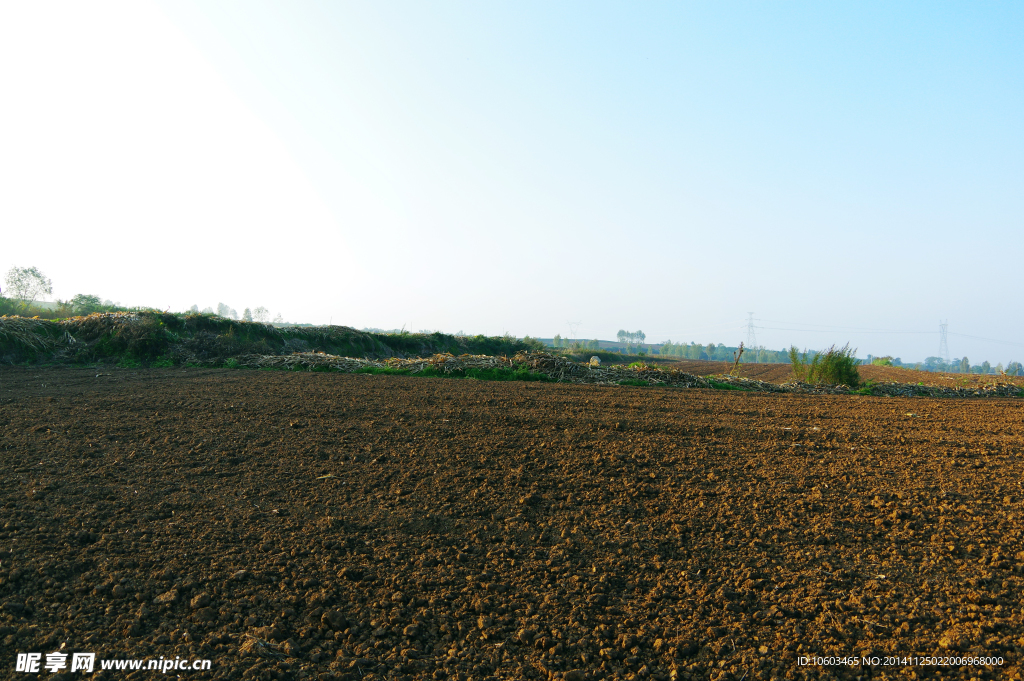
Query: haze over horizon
x=849 y=173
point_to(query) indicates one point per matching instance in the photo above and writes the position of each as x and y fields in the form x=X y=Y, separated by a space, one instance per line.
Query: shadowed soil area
x=337 y=526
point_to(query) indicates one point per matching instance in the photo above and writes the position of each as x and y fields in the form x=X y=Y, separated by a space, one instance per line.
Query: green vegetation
x=835 y=366
x=867 y=389
x=718 y=385
x=385 y=371
x=882 y=361
x=506 y=374
x=496 y=374
x=634 y=382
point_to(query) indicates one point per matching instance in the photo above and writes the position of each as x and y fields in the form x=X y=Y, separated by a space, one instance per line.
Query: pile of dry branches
x=33 y=334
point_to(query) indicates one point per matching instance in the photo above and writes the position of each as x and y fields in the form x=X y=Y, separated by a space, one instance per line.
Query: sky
x=848 y=173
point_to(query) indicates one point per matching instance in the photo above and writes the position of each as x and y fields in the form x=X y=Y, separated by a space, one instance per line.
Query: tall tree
x=85 y=304
x=27 y=284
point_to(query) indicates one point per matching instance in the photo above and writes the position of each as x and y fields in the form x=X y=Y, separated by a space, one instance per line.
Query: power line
x=990 y=340
x=840 y=328
x=827 y=326
x=823 y=328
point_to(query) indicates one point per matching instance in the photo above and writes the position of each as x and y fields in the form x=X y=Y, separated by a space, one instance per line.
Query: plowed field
x=781 y=373
x=311 y=525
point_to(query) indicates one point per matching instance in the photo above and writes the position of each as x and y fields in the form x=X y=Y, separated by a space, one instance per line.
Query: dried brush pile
x=29 y=336
x=560 y=369
x=554 y=367
x=212 y=341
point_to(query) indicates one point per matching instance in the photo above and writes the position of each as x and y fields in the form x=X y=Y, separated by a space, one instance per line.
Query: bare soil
x=335 y=526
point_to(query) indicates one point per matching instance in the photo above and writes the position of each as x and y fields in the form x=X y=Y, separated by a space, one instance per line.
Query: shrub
x=835 y=366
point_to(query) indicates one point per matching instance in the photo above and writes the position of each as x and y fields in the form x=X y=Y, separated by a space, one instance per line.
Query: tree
x=85 y=304
x=27 y=284
x=247 y=315
x=557 y=340
x=711 y=350
x=226 y=311
x=965 y=366
x=194 y=308
x=261 y=314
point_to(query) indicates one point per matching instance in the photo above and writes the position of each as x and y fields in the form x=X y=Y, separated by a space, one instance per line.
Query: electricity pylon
x=752 y=338
x=943 y=345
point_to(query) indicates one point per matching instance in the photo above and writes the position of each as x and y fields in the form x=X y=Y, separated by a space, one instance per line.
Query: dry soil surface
x=331 y=526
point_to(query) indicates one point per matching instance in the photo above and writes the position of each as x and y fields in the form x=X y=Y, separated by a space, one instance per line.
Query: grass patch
x=719 y=385
x=867 y=389
x=383 y=371
x=634 y=381
x=506 y=374
x=495 y=374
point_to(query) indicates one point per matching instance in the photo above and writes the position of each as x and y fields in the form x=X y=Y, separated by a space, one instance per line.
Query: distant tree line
x=259 y=314
x=957 y=366
x=582 y=344
x=723 y=353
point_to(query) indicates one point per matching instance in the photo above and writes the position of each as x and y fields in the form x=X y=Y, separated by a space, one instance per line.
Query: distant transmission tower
x=943 y=345
x=751 y=338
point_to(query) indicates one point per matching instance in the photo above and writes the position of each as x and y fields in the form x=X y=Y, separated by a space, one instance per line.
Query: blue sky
x=515 y=167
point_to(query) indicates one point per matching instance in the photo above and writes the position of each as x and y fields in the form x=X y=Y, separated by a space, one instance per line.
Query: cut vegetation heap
x=137 y=339
x=164 y=339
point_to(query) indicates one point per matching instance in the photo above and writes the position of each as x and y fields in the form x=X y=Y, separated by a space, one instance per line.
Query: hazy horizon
x=847 y=173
